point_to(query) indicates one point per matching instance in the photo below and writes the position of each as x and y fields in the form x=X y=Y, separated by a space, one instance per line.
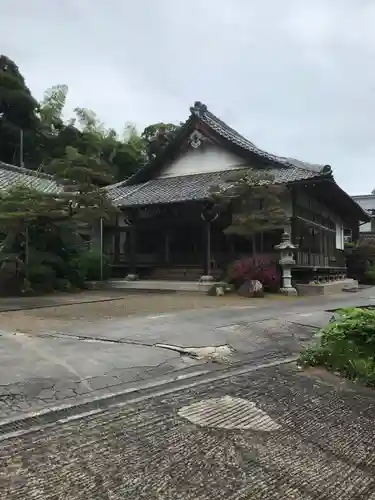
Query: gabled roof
x=144 y=188
x=11 y=175
x=200 y=117
x=213 y=122
x=364 y=196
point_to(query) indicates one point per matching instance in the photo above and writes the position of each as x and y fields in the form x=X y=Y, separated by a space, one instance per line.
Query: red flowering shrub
x=262 y=267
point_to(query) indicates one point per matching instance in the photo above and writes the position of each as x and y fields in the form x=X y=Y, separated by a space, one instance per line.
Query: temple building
x=166 y=229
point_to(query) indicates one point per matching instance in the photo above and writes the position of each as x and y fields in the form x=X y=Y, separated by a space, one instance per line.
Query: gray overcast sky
x=297 y=77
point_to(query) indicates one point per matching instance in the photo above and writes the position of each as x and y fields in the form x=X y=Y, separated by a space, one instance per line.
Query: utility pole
x=21 y=147
x=101 y=248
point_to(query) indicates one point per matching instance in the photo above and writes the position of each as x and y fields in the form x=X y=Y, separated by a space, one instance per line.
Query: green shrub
x=90 y=265
x=347 y=345
x=370 y=275
x=360 y=259
x=64 y=285
x=42 y=278
x=74 y=271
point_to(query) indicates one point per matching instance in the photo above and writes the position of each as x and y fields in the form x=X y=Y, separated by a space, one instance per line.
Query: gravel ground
x=64 y=317
x=321 y=447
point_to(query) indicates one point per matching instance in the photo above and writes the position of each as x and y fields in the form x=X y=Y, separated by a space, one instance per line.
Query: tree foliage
x=51 y=109
x=17 y=113
x=157 y=137
x=41 y=234
x=42 y=245
x=360 y=261
x=82 y=178
x=255 y=200
x=47 y=133
x=35 y=229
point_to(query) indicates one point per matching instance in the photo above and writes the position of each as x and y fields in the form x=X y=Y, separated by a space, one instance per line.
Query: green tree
x=125 y=154
x=157 y=137
x=42 y=233
x=257 y=203
x=20 y=205
x=88 y=136
x=27 y=214
x=51 y=108
x=82 y=177
x=18 y=114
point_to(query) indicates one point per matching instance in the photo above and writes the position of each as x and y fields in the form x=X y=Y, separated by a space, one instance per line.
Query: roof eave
x=358 y=212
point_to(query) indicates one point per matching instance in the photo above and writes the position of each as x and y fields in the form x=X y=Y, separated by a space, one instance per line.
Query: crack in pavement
x=23 y=397
x=254 y=339
x=206 y=352
x=83 y=338
x=48 y=356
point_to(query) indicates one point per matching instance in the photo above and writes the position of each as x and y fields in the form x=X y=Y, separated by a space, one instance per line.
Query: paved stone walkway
x=322 y=447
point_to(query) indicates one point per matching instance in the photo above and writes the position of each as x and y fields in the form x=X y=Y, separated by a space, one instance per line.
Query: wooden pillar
x=117 y=242
x=166 y=247
x=208 y=215
x=206 y=248
x=132 y=235
x=293 y=219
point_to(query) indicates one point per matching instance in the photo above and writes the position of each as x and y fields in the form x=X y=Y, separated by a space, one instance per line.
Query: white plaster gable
x=210 y=158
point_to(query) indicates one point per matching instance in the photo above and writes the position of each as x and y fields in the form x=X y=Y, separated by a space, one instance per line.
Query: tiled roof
x=201 y=115
x=11 y=175
x=142 y=189
x=367 y=202
x=367 y=236
x=233 y=136
x=189 y=187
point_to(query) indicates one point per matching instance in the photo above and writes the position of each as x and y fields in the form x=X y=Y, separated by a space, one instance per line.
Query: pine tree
x=256 y=202
x=83 y=178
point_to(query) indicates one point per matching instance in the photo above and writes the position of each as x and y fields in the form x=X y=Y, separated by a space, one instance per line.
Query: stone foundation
x=332 y=287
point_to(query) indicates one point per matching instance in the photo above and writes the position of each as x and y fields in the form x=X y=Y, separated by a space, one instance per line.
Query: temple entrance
x=186 y=245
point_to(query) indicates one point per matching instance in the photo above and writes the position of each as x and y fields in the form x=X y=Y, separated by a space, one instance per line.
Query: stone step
x=160 y=285
x=181 y=273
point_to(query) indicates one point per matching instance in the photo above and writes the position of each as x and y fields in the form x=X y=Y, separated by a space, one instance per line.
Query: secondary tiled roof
x=367 y=236
x=189 y=187
x=11 y=175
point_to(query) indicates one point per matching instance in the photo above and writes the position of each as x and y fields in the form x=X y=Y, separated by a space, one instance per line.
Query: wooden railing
x=307 y=259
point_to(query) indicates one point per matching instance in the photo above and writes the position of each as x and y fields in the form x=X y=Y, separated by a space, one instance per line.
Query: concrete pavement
x=49 y=369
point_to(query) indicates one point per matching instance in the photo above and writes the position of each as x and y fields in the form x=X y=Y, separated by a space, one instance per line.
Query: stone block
x=329 y=288
x=251 y=288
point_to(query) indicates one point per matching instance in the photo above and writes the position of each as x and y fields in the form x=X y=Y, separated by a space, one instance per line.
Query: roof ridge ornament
x=199 y=109
x=196 y=139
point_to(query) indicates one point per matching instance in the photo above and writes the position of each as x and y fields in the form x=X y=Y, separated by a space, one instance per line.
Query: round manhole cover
x=228 y=413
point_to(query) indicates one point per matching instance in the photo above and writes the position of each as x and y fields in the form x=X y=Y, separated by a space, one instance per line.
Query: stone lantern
x=286 y=249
